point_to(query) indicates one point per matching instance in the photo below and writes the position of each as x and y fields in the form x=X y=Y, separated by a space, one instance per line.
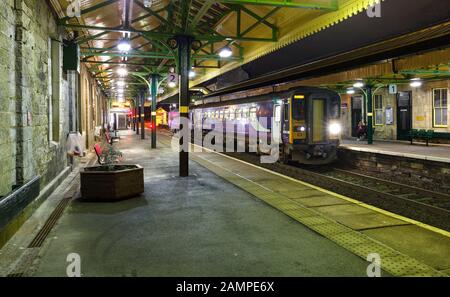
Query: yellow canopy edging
x=348 y=9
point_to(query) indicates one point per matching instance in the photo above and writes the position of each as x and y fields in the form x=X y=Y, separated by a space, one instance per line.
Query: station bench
x=100 y=155
x=425 y=135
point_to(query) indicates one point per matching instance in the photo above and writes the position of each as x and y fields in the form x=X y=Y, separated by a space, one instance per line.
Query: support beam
x=332 y=6
x=184 y=52
x=138 y=114
x=369 y=115
x=142 y=114
x=154 y=93
x=164 y=35
x=198 y=16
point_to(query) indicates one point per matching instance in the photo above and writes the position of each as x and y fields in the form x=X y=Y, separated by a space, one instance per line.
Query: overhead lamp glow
x=358 y=84
x=122 y=71
x=191 y=74
x=351 y=91
x=124 y=45
x=416 y=83
x=172 y=84
x=226 y=52
x=121 y=83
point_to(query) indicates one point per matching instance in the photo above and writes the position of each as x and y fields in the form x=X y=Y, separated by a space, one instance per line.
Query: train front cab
x=312 y=122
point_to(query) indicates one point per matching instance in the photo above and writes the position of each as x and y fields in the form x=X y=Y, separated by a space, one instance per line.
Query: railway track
x=423 y=205
x=426 y=206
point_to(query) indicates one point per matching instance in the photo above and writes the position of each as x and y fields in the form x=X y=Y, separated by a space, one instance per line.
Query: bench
x=425 y=135
x=99 y=152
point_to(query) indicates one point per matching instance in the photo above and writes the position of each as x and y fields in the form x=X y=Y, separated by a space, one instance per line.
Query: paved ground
x=199 y=226
x=439 y=153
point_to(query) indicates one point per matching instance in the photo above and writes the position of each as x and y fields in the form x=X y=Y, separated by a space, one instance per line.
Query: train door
x=276 y=123
x=404 y=115
x=356 y=114
x=319 y=132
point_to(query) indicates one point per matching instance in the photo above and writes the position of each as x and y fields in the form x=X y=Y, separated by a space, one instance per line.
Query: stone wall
x=7 y=97
x=425 y=174
x=32 y=132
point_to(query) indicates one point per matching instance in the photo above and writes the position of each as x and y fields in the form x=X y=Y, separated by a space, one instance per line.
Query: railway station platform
x=433 y=152
x=416 y=165
x=229 y=218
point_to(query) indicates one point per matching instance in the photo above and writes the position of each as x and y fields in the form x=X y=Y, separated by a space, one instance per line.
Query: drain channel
x=50 y=223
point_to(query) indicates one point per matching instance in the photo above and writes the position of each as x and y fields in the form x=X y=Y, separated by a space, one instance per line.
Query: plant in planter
x=111 y=181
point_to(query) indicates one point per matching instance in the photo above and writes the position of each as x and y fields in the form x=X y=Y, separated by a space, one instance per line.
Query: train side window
x=253 y=113
x=278 y=113
x=221 y=114
x=238 y=113
x=286 y=112
x=217 y=114
x=232 y=114
x=246 y=113
x=227 y=114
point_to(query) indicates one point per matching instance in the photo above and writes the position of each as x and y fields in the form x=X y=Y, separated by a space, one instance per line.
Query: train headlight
x=300 y=129
x=335 y=129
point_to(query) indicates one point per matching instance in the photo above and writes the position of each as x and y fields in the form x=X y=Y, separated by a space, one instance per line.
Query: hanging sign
x=172 y=78
x=392 y=89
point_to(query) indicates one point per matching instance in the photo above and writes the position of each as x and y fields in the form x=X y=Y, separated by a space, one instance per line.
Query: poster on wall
x=389 y=115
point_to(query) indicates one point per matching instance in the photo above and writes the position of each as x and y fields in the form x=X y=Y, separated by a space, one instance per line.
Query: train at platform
x=304 y=122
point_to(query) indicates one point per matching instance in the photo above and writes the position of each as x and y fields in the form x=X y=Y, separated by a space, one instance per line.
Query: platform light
x=121 y=83
x=351 y=91
x=191 y=74
x=122 y=71
x=416 y=83
x=225 y=52
x=335 y=129
x=172 y=84
x=358 y=84
x=124 y=45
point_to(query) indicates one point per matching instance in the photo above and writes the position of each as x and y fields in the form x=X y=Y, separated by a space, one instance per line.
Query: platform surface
x=434 y=152
x=228 y=218
x=196 y=226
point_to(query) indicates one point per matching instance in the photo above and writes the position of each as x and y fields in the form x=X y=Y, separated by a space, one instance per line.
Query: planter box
x=100 y=184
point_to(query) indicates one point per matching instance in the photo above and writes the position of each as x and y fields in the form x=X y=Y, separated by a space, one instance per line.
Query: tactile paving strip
x=358 y=243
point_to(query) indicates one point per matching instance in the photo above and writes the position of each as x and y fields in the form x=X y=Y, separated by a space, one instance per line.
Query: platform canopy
x=249 y=28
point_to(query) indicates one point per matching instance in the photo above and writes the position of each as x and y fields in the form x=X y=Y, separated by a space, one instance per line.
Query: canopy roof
x=251 y=28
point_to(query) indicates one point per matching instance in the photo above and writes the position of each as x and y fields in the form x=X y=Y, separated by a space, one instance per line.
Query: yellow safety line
x=385 y=212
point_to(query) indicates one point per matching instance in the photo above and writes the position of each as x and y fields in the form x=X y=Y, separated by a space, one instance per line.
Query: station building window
x=378 y=108
x=440 y=108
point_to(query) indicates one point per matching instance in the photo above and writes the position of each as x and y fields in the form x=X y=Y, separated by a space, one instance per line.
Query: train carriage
x=304 y=121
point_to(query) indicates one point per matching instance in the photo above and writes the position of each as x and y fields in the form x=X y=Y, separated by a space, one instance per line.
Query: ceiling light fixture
x=225 y=52
x=358 y=84
x=122 y=71
x=416 y=83
x=124 y=45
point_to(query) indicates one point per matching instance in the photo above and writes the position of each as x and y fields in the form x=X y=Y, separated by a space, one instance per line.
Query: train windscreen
x=299 y=107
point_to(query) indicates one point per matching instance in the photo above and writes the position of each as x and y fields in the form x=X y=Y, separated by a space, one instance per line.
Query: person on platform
x=361 y=130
